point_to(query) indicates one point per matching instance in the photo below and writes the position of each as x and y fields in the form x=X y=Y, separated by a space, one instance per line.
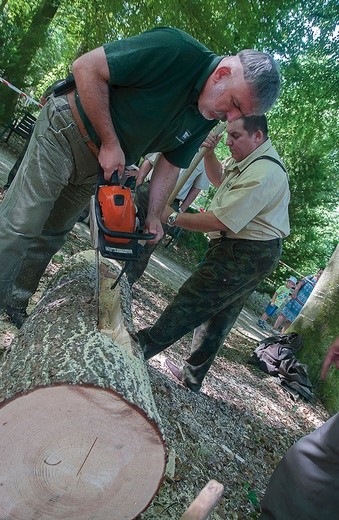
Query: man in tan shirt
x=246 y=221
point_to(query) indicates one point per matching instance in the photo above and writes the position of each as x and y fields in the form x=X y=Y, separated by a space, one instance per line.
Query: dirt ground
x=235 y=430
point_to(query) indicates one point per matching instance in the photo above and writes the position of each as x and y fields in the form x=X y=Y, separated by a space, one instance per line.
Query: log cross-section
x=80 y=436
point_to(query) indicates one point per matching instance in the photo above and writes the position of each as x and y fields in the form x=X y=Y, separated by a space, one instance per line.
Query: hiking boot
x=16 y=316
x=178 y=373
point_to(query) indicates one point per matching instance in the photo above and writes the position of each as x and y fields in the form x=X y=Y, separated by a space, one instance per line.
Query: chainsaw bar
x=115 y=230
x=95 y=244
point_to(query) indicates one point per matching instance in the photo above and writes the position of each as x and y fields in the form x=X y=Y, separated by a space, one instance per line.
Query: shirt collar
x=241 y=165
x=203 y=78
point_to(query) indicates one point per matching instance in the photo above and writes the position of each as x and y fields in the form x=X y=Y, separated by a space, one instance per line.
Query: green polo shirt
x=155 y=81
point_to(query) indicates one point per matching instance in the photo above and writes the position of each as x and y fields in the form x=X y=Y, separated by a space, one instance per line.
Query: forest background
x=40 y=39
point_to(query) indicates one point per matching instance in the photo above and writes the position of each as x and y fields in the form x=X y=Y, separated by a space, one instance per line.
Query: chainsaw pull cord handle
x=114 y=181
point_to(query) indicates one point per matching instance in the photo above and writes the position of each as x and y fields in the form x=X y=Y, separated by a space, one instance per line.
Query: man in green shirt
x=161 y=90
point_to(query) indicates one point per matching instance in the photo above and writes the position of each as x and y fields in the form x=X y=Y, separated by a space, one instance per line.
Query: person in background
x=246 y=221
x=279 y=298
x=305 y=484
x=145 y=168
x=298 y=299
x=124 y=99
x=197 y=181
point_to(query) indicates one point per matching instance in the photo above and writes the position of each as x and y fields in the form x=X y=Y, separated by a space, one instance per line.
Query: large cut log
x=80 y=436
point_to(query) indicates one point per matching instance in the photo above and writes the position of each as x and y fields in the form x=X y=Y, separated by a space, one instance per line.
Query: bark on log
x=80 y=436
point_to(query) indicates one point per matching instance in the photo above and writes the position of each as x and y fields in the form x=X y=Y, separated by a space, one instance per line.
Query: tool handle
x=118 y=234
x=195 y=161
x=114 y=180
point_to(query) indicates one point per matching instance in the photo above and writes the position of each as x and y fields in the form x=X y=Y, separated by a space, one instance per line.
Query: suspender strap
x=269 y=158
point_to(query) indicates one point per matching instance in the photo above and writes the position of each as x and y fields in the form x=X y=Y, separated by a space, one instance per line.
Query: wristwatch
x=172 y=218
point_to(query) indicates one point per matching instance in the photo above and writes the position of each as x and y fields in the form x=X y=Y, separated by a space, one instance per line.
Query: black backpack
x=276 y=356
x=271 y=351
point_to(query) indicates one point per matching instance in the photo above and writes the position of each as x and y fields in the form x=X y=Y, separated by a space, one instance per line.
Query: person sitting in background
x=145 y=168
x=279 y=298
x=196 y=182
x=298 y=299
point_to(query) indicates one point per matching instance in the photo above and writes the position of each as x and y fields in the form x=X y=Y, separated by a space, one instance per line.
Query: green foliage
x=40 y=39
x=304 y=128
x=26 y=31
x=51 y=33
x=193 y=246
x=308 y=147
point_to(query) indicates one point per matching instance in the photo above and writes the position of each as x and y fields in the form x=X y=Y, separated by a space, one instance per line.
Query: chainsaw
x=115 y=227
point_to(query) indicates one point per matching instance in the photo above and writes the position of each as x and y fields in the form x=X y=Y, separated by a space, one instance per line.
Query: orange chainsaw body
x=117 y=210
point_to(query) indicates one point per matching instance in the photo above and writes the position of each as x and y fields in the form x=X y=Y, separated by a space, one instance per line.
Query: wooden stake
x=205 y=502
x=196 y=160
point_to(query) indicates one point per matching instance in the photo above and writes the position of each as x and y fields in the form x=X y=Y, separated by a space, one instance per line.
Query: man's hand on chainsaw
x=111 y=158
x=153 y=225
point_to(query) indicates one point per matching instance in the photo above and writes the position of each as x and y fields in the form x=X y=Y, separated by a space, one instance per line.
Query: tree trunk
x=19 y=64
x=80 y=436
x=318 y=323
x=3 y=5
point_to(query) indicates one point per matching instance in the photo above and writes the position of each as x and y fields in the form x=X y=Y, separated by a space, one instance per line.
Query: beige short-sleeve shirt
x=252 y=201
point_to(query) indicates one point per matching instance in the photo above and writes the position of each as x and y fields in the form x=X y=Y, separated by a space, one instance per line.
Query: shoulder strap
x=269 y=158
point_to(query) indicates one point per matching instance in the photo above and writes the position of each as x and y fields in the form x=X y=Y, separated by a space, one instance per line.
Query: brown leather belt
x=76 y=116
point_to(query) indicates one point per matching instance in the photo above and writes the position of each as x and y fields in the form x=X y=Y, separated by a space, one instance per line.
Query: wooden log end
x=80 y=452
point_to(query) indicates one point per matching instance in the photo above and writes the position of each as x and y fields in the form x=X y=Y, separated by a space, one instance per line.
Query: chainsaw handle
x=114 y=180
x=118 y=234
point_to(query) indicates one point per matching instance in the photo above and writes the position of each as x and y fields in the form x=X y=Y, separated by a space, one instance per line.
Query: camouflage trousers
x=210 y=301
x=50 y=190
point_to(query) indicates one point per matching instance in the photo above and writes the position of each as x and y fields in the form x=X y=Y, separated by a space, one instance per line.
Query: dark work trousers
x=53 y=185
x=305 y=484
x=210 y=301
